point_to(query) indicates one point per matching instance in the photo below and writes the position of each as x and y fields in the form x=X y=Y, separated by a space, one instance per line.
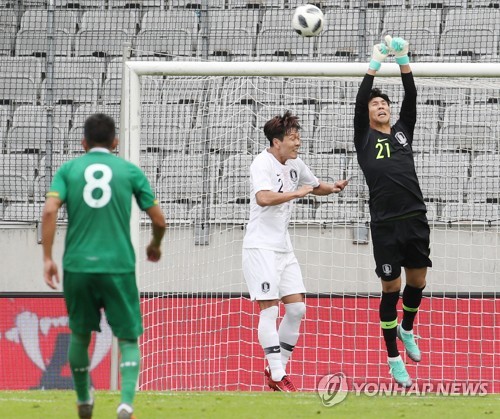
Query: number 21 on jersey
x=94 y=183
x=383 y=149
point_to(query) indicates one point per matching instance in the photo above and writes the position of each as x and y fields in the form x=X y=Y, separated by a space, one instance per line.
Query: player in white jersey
x=272 y=273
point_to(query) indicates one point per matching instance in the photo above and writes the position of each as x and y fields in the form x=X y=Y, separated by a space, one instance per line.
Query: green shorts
x=87 y=293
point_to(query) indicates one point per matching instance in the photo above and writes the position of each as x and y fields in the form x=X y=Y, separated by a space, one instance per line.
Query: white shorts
x=271 y=275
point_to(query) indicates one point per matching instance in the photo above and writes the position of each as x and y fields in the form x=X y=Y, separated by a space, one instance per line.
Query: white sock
x=289 y=329
x=394 y=358
x=125 y=406
x=270 y=342
x=405 y=331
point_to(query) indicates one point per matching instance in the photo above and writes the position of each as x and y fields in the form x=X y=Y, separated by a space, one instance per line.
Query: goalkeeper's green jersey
x=97 y=189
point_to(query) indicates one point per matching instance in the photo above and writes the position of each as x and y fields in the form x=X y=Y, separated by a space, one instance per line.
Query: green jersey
x=97 y=189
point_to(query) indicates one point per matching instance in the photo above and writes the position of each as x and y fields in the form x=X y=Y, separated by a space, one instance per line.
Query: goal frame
x=130 y=132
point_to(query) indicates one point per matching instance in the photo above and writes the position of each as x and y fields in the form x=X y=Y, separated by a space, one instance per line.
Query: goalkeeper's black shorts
x=400 y=242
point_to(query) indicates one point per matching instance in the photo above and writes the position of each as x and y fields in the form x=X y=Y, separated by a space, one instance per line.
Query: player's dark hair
x=377 y=93
x=279 y=126
x=99 y=130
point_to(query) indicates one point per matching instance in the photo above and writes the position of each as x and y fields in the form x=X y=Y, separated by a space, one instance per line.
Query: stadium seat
x=25 y=165
x=303 y=210
x=343 y=212
x=64 y=20
x=250 y=4
x=34 y=43
x=357 y=189
x=463 y=36
x=438 y=4
x=173 y=211
x=471 y=213
x=420 y=27
x=341 y=39
x=426 y=128
x=196 y=4
x=18 y=90
x=71 y=90
x=27 y=212
x=187 y=178
x=327 y=168
x=25 y=67
x=171 y=32
x=33 y=139
x=102 y=43
x=8 y=29
x=375 y=4
x=443 y=177
x=127 y=21
x=14 y=188
x=80 y=4
x=493 y=4
x=469 y=127
x=335 y=129
x=135 y=4
x=232 y=32
x=80 y=67
x=29 y=115
x=235 y=185
x=221 y=213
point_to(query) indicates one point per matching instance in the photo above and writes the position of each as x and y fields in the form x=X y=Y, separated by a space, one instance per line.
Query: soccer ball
x=308 y=20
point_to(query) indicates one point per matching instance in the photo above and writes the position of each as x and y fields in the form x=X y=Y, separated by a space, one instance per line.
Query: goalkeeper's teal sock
x=78 y=357
x=129 y=369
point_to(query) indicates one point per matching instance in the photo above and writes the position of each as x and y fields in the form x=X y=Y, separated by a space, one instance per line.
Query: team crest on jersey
x=387 y=269
x=265 y=287
x=293 y=175
x=401 y=138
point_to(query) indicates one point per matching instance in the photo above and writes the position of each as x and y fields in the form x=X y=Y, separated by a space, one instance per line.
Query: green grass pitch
x=242 y=405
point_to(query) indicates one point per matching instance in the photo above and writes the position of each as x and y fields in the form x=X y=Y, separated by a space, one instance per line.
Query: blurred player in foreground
x=399 y=227
x=99 y=260
x=272 y=273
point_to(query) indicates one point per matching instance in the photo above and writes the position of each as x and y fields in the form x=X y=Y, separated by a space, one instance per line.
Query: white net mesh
x=198 y=138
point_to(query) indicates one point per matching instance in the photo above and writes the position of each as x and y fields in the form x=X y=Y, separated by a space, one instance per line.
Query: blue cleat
x=411 y=346
x=399 y=373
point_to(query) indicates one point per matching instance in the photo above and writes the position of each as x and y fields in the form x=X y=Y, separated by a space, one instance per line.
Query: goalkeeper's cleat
x=411 y=347
x=285 y=385
x=125 y=411
x=85 y=409
x=398 y=372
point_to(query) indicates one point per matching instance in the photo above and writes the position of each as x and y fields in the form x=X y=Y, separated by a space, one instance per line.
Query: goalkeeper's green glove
x=380 y=52
x=399 y=47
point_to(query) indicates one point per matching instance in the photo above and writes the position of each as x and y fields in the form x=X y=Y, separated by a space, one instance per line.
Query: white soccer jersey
x=268 y=226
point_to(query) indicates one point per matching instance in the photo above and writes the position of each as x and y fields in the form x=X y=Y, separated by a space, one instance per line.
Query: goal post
x=194 y=127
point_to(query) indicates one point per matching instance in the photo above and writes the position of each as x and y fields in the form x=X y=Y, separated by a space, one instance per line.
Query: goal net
x=195 y=137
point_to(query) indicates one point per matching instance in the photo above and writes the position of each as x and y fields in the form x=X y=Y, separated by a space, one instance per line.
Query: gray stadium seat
x=305 y=113
x=235 y=184
x=173 y=211
x=249 y=4
x=24 y=212
x=196 y=4
x=343 y=212
x=426 y=128
x=438 y=3
x=26 y=67
x=64 y=20
x=82 y=112
x=5 y=118
x=71 y=90
x=470 y=128
x=8 y=29
x=232 y=32
x=471 y=213
x=463 y=36
x=443 y=177
x=420 y=27
x=126 y=21
x=169 y=42
x=29 y=115
x=99 y=43
x=33 y=139
x=335 y=129
x=80 y=4
x=34 y=43
x=14 y=188
x=18 y=90
x=231 y=139
x=303 y=210
x=136 y=4
x=80 y=67
x=25 y=165
x=186 y=178
x=341 y=39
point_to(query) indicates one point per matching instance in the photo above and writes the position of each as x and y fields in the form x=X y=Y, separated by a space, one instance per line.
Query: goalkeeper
x=399 y=227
